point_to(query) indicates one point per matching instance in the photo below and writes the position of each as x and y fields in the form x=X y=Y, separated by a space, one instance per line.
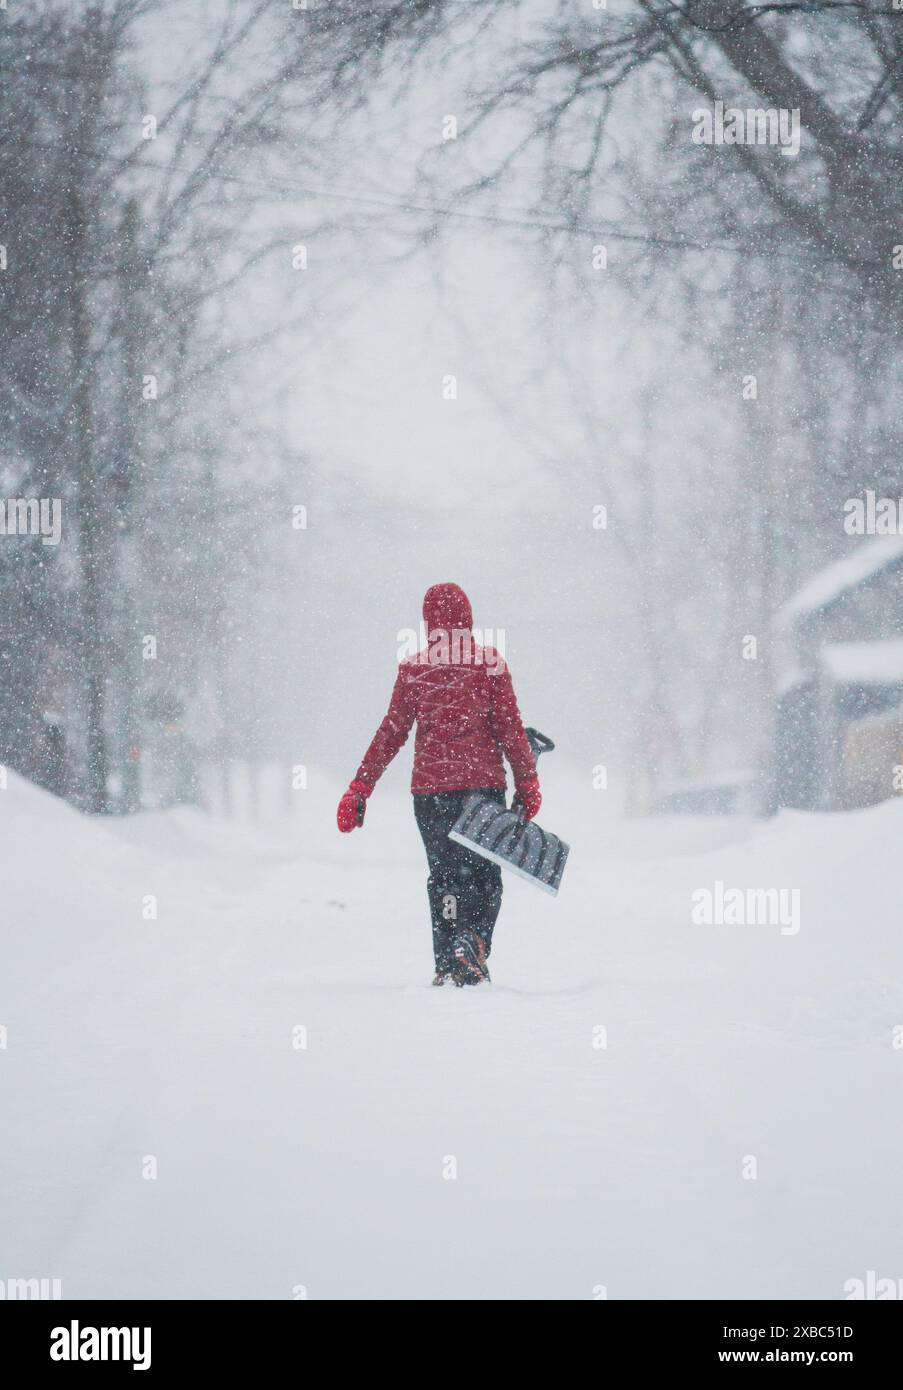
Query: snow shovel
x=507 y=839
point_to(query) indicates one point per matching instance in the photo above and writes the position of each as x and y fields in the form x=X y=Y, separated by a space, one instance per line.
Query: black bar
x=234 y=1337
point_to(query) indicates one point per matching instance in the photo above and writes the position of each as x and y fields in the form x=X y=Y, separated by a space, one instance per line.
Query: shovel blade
x=520 y=846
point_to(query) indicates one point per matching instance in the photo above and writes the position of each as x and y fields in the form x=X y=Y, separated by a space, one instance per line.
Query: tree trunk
x=90 y=517
x=126 y=478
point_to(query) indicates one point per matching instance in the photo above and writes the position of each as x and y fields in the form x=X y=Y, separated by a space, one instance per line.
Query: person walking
x=461 y=697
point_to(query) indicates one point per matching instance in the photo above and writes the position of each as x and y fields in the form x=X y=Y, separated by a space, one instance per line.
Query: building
x=839 y=673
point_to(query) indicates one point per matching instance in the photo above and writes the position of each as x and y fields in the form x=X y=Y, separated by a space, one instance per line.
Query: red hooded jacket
x=462 y=698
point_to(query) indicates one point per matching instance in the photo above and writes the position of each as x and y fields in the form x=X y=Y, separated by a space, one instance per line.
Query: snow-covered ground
x=326 y=1165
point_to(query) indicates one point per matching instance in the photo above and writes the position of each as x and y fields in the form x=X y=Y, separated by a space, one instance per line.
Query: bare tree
x=132 y=218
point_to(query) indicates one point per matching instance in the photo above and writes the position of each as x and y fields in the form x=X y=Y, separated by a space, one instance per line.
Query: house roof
x=864 y=663
x=830 y=584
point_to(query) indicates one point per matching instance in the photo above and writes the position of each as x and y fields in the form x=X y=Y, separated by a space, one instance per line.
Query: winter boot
x=470 y=960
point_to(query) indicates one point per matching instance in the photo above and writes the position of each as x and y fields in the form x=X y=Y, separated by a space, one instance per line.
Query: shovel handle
x=539 y=743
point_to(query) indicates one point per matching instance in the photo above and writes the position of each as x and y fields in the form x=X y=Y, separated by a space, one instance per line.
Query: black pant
x=464 y=889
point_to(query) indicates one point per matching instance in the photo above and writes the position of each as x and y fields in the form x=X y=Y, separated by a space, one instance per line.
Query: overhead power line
x=514 y=219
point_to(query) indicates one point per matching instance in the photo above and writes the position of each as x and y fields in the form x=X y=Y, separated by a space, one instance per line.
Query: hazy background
x=322 y=387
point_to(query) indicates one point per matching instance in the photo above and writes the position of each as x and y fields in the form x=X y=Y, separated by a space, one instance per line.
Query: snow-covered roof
x=792 y=679
x=837 y=579
x=864 y=663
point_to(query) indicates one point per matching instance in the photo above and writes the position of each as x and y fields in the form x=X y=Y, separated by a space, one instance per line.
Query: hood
x=446 y=606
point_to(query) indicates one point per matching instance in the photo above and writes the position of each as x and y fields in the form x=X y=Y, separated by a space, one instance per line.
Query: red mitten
x=352 y=807
x=529 y=797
